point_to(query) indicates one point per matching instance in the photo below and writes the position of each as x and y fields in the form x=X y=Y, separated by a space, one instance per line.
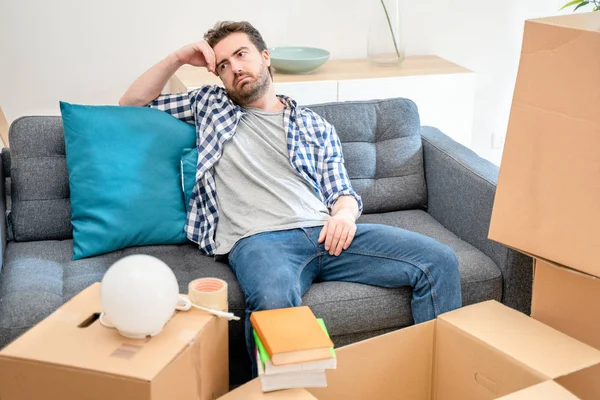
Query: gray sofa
x=409 y=176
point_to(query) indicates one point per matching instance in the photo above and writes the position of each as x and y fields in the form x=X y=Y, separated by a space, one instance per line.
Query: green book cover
x=264 y=356
x=322 y=323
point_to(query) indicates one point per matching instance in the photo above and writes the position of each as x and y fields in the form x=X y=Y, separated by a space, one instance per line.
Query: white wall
x=89 y=52
x=485 y=37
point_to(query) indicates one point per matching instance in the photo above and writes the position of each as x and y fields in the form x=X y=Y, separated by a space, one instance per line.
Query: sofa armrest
x=461 y=188
x=4 y=156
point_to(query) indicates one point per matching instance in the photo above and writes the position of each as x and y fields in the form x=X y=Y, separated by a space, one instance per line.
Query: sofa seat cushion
x=39 y=276
x=481 y=278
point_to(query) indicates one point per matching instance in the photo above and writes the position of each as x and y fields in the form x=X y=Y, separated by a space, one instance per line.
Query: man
x=273 y=193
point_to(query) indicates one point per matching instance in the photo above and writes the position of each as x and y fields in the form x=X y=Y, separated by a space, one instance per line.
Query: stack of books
x=293 y=348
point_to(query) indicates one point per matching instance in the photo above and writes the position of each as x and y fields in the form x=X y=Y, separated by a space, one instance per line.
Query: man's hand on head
x=198 y=54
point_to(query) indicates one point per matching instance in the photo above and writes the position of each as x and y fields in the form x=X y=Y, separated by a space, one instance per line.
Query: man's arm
x=334 y=179
x=149 y=86
x=344 y=203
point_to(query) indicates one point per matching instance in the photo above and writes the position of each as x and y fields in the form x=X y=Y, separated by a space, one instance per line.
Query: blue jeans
x=274 y=269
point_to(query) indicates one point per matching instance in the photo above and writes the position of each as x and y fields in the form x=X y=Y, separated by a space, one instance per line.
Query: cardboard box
x=567 y=300
x=548 y=190
x=483 y=351
x=58 y=359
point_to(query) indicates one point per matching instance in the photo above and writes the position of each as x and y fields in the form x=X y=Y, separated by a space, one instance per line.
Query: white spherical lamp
x=139 y=294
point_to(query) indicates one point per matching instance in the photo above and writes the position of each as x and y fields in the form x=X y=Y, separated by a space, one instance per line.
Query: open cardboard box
x=58 y=359
x=483 y=351
x=548 y=195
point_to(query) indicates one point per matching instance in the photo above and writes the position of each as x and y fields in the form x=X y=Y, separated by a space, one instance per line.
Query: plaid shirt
x=314 y=149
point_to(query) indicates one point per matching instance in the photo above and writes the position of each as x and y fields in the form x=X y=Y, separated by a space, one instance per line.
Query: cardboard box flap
x=253 y=391
x=546 y=202
x=382 y=367
x=467 y=367
x=559 y=294
x=548 y=390
x=96 y=348
x=584 y=384
x=523 y=338
x=584 y=21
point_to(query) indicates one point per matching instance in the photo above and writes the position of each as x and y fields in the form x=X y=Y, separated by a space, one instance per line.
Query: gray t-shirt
x=258 y=189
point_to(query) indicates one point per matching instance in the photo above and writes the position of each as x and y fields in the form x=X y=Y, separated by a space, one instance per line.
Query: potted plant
x=582 y=3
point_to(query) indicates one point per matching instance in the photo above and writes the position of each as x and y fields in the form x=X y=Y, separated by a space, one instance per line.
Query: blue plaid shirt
x=314 y=149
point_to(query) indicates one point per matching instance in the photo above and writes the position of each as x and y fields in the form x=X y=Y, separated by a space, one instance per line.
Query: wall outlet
x=497 y=140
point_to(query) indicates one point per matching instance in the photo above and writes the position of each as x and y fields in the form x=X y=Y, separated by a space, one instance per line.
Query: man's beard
x=249 y=92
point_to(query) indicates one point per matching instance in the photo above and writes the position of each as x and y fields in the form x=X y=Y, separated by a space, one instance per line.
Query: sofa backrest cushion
x=381 y=142
x=39 y=181
x=380 y=139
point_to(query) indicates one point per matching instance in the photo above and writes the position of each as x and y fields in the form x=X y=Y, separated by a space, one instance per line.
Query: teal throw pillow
x=189 y=161
x=124 y=176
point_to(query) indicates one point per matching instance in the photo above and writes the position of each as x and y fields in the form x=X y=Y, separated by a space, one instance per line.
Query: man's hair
x=225 y=28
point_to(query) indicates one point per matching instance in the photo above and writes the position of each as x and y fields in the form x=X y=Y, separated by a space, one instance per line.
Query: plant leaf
x=571 y=3
x=387 y=16
x=585 y=3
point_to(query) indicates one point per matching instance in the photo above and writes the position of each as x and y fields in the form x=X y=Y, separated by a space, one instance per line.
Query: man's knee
x=271 y=297
x=277 y=289
x=448 y=256
x=443 y=259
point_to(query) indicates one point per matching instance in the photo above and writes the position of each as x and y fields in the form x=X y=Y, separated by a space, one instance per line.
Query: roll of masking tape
x=209 y=293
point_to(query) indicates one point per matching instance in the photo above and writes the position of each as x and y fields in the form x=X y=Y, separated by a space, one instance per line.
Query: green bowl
x=297 y=59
